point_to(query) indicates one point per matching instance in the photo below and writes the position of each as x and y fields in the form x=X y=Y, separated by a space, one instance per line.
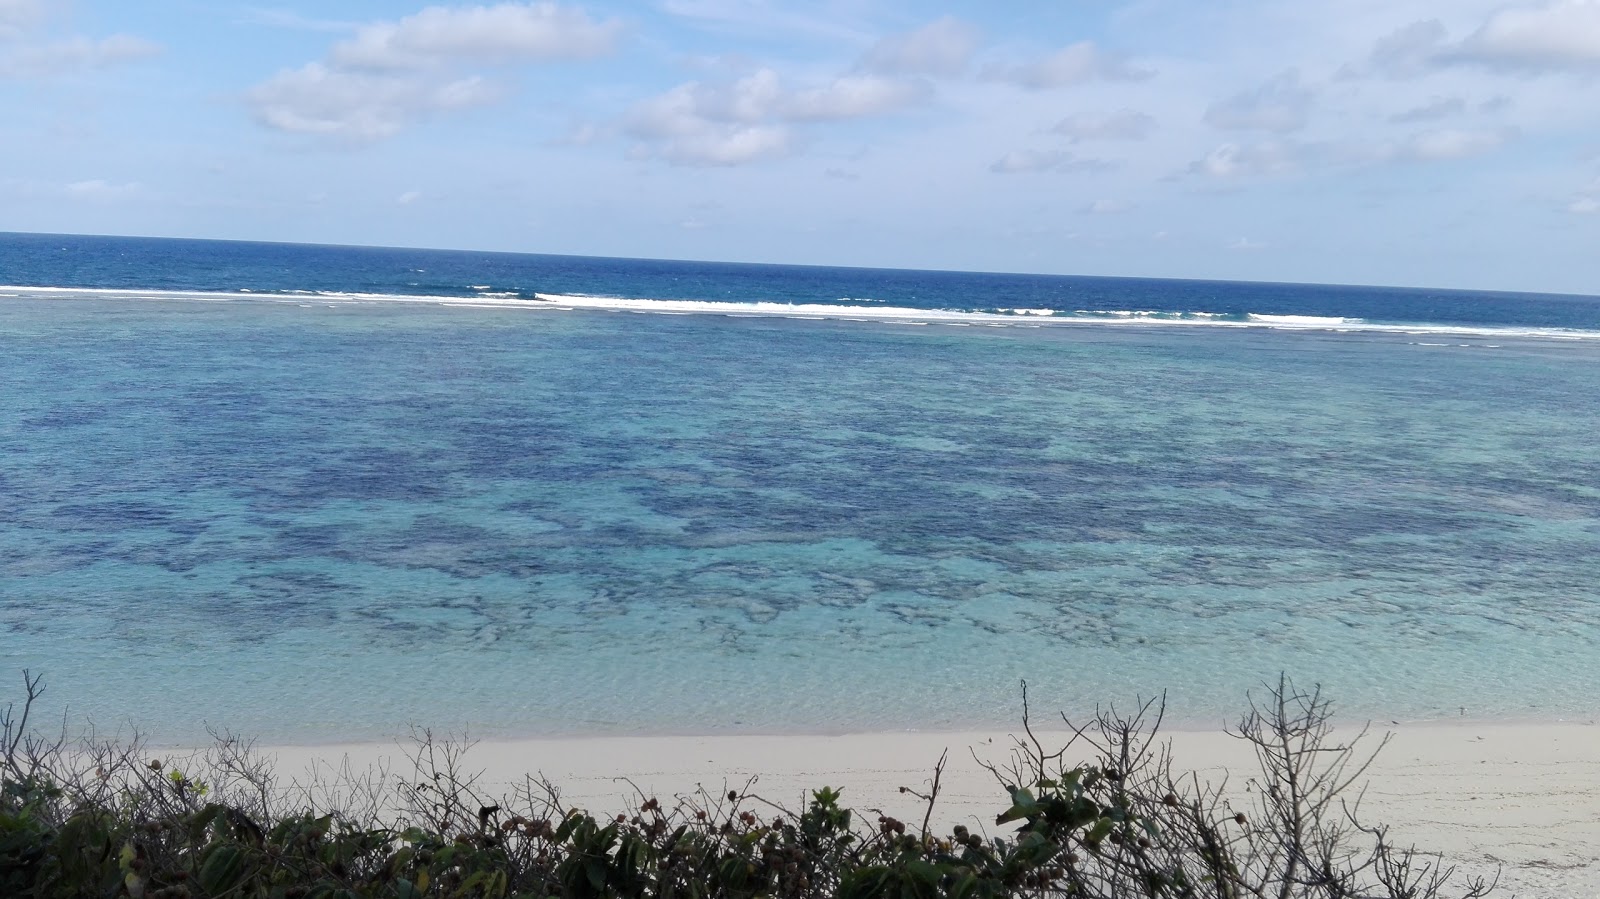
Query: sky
x=1443 y=144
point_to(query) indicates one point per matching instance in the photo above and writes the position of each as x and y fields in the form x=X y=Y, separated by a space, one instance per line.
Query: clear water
x=322 y=520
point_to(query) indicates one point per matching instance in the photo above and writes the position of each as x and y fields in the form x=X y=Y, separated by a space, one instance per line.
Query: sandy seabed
x=1524 y=799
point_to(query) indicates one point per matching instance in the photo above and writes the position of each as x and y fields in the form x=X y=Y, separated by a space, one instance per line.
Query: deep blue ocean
x=318 y=493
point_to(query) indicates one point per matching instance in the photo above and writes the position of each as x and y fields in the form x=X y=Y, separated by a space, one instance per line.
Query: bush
x=103 y=818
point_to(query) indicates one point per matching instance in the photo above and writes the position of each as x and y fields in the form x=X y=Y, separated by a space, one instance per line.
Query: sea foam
x=1001 y=317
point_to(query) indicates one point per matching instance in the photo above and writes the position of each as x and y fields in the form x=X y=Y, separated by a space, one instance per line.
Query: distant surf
x=486 y=297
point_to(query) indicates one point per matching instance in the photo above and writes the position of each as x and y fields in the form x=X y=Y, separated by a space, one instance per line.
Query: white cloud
x=1107 y=207
x=1280 y=105
x=409 y=197
x=392 y=74
x=748 y=120
x=853 y=97
x=1124 y=124
x=1289 y=157
x=358 y=106
x=942 y=47
x=1553 y=35
x=1450 y=143
x=1246 y=244
x=17 y=16
x=1242 y=161
x=507 y=32
x=712 y=144
x=1078 y=63
x=1584 y=206
x=1020 y=162
x=1433 y=110
x=1406 y=52
x=74 y=54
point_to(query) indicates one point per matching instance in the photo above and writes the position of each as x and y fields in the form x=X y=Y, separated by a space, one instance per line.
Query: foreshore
x=1523 y=798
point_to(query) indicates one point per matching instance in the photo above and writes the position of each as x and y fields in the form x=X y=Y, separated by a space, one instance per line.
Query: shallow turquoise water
x=323 y=523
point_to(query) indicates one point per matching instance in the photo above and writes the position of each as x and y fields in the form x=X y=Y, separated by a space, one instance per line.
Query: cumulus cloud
x=942 y=47
x=1232 y=160
x=1551 y=36
x=507 y=32
x=24 y=55
x=1433 y=110
x=390 y=75
x=1546 y=36
x=853 y=97
x=1022 y=162
x=1405 y=52
x=1124 y=124
x=750 y=119
x=74 y=54
x=1281 y=105
x=1075 y=64
x=358 y=106
x=715 y=144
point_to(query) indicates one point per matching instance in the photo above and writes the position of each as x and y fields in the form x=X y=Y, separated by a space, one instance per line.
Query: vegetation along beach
x=1039 y=499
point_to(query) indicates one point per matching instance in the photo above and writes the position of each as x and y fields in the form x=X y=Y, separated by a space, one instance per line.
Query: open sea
x=315 y=494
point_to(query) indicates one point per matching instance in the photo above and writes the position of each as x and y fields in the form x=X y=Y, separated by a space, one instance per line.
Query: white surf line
x=1032 y=318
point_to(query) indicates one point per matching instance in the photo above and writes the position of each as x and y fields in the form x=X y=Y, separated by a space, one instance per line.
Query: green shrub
x=102 y=819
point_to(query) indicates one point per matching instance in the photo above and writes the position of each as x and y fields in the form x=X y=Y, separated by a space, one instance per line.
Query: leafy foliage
x=102 y=819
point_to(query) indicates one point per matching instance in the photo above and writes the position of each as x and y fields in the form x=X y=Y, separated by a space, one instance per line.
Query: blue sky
x=1354 y=141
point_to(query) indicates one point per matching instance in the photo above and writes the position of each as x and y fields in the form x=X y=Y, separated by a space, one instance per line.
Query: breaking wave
x=484 y=296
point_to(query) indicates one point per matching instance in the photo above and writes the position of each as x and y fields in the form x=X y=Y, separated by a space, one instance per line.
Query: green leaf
x=223 y=869
x=1023 y=805
x=924 y=872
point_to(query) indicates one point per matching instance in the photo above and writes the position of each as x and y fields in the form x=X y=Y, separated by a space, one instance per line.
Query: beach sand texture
x=1523 y=798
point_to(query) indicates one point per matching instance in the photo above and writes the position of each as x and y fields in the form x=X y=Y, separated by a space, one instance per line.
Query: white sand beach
x=1523 y=798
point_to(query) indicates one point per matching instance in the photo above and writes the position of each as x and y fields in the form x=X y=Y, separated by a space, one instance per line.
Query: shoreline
x=1525 y=797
